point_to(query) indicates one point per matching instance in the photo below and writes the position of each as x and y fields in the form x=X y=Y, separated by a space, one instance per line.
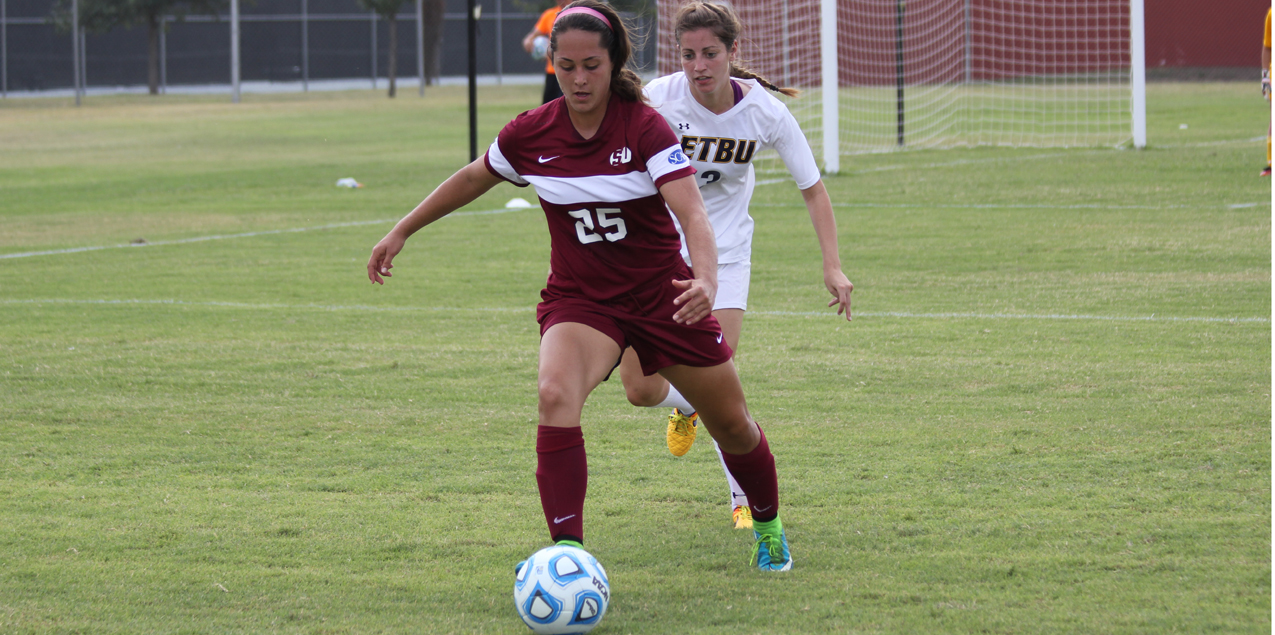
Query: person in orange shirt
x=1266 y=86
x=537 y=49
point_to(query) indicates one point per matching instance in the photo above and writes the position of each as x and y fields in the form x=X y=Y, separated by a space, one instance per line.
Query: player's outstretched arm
x=696 y=301
x=459 y=190
x=821 y=216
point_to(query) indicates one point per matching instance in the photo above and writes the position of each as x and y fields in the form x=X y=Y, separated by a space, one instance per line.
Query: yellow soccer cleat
x=681 y=432
x=742 y=517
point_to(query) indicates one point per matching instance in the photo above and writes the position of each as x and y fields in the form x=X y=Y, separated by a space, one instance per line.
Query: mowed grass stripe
x=268 y=232
x=824 y=314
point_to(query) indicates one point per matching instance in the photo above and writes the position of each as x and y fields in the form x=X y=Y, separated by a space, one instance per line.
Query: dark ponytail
x=615 y=39
x=722 y=21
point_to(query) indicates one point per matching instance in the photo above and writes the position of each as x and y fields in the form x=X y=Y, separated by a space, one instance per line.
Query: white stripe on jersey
x=501 y=165
x=602 y=188
x=597 y=188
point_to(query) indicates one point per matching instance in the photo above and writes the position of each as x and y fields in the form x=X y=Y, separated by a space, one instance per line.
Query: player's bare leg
x=719 y=398
x=741 y=517
x=643 y=391
x=574 y=359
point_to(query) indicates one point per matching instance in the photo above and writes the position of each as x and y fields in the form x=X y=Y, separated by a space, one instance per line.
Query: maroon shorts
x=644 y=321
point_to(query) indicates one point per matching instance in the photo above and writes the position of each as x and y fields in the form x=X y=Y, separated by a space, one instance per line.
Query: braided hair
x=722 y=21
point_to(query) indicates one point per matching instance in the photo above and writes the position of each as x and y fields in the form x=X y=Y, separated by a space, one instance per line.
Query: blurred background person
x=537 y=44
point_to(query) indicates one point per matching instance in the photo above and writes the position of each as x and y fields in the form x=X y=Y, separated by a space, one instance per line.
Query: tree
x=388 y=10
x=100 y=16
x=433 y=37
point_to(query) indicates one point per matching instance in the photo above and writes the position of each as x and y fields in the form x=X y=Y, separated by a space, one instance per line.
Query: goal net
x=943 y=73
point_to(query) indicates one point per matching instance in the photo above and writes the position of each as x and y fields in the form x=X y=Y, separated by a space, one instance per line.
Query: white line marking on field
x=268 y=232
x=880 y=314
x=1206 y=144
x=1011 y=316
x=270 y=306
x=889 y=168
x=960 y=162
x=1010 y=206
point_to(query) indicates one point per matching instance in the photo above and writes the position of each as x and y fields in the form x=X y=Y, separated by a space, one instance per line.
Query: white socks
x=676 y=400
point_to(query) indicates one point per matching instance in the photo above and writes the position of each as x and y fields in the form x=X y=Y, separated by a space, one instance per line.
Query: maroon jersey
x=610 y=230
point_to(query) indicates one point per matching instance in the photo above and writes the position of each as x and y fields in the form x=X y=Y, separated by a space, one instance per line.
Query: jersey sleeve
x=496 y=161
x=793 y=148
x=545 y=23
x=1267 y=40
x=656 y=92
x=665 y=160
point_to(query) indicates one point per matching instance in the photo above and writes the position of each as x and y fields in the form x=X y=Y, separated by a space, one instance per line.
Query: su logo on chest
x=719 y=149
x=621 y=156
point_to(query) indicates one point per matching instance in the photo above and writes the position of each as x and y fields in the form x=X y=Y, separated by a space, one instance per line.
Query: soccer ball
x=561 y=589
x=539 y=47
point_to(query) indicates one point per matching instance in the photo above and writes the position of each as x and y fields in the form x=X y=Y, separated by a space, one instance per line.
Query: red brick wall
x=1011 y=38
x=1205 y=32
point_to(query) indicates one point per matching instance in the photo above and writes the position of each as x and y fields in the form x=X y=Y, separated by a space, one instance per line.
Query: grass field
x=1051 y=414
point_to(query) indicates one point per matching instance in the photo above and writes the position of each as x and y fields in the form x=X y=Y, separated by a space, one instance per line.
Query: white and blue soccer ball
x=561 y=589
x=539 y=47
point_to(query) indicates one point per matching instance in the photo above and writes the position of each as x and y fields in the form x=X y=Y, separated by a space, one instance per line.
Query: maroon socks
x=562 y=473
x=755 y=473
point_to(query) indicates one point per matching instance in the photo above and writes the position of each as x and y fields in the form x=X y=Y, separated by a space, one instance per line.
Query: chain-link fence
x=295 y=41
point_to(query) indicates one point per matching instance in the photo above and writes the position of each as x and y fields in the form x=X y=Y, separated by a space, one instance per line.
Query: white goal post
x=946 y=73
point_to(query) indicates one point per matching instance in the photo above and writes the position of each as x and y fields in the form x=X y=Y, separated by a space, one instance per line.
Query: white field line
x=1013 y=316
x=198 y=239
x=258 y=306
x=1054 y=155
x=889 y=168
x=824 y=314
x=1013 y=206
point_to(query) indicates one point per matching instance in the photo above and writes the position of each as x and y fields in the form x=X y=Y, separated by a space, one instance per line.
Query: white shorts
x=732 y=285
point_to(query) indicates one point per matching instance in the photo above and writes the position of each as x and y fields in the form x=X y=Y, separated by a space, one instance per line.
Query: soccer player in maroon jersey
x=605 y=165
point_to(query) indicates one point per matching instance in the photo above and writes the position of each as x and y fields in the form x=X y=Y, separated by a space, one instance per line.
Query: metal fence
x=295 y=41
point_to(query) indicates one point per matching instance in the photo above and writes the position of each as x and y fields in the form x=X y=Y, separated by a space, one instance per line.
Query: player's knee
x=734 y=434
x=644 y=395
x=552 y=395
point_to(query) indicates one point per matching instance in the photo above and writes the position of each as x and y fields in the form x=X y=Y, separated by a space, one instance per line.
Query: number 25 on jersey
x=609 y=224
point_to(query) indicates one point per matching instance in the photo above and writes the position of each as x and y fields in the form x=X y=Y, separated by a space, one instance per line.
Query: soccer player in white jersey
x=724 y=115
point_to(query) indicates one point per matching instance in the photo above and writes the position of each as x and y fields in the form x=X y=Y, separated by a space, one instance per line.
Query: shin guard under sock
x=562 y=474
x=755 y=473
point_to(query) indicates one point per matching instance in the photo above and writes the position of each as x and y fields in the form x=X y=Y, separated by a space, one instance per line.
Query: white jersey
x=722 y=147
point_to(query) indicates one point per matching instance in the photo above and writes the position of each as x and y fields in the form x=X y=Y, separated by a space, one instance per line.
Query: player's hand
x=379 y=264
x=696 y=300
x=840 y=287
x=1266 y=84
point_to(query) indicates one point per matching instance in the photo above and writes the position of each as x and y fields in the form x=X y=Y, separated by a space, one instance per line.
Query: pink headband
x=587 y=11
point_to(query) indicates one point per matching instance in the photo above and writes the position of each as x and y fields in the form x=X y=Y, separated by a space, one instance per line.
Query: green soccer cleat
x=770 y=552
